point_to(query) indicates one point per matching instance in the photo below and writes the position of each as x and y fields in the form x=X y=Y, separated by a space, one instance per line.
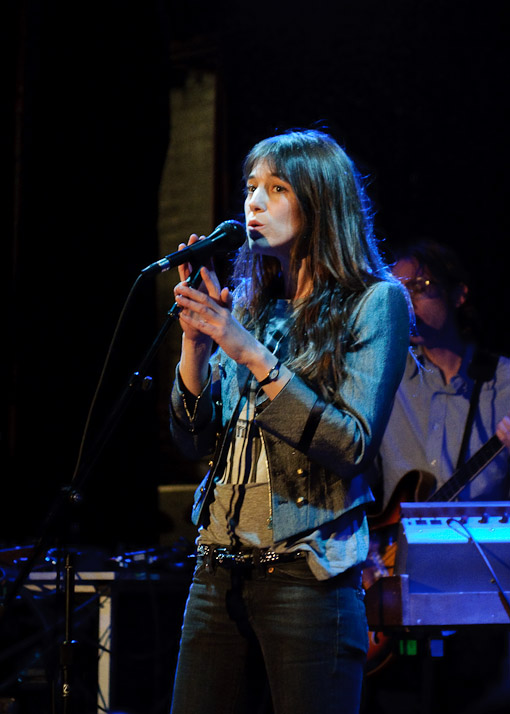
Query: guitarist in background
x=428 y=422
x=429 y=431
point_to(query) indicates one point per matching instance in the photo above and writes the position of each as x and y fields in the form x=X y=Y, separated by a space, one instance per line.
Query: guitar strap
x=482 y=368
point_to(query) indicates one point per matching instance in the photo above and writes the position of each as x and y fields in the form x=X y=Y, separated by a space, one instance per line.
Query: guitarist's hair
x=444 y=266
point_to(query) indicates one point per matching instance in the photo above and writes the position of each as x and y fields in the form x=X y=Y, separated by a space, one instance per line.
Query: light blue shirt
x=427 y=424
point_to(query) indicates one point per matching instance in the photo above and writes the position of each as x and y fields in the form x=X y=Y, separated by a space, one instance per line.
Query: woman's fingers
x=211 y=283
x=185 y=268
x=226 y=298
x=193 y=300
x=210 y=293
x=205 y=310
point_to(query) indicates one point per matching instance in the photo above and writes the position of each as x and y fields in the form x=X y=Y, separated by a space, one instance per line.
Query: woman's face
x=273 y=215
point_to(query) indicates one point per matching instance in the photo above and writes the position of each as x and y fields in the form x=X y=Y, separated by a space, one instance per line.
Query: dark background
x=415 y=91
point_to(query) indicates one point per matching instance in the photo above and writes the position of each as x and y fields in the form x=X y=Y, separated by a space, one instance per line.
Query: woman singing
x=311 y=346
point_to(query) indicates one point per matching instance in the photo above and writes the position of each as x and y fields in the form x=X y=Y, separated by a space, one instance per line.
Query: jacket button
x=301 y=501
x=302 y=472
x=211 y=464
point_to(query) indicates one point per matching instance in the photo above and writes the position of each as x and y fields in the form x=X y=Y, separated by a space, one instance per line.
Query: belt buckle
x=223 y=557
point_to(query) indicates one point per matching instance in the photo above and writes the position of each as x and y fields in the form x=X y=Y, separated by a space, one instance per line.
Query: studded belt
x=229 y=557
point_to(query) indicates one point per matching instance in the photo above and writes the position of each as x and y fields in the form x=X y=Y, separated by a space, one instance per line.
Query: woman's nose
x=257 y=199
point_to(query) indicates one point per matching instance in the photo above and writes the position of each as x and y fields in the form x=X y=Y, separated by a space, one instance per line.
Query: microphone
x=226 y=237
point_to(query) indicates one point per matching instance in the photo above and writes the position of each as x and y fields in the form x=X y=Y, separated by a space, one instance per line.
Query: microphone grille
x=232 y=234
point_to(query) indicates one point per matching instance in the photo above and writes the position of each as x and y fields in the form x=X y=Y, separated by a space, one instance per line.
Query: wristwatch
x=272 y=375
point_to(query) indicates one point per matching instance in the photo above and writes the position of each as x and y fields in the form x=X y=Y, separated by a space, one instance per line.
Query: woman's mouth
x=253 y=229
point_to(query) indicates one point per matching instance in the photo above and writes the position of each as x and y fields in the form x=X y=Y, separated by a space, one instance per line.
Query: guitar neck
x=468 y=471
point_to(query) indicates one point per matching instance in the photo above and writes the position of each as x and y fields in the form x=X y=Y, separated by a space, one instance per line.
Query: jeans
x=310 y=635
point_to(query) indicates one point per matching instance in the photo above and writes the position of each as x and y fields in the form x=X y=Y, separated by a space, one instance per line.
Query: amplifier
x=452 y=568
x=437 y=546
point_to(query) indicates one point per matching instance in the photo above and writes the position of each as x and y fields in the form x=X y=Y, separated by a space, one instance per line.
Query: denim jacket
x=316 y=452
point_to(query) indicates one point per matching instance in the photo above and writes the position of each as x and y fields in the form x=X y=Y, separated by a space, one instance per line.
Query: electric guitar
x=415 y=486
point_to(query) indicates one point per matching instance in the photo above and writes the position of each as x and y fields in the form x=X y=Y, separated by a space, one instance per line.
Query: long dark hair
x=337 y=242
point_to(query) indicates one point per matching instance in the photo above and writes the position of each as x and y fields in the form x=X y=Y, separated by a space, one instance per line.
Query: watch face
x=272 y=374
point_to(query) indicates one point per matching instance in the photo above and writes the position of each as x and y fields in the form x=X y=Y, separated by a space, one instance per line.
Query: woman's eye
x=250 y=188
x=279 y=189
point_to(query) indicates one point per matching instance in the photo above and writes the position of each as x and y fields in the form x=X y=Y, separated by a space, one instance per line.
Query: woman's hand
x=185 y=271
x=209 y=313
x=206 y=317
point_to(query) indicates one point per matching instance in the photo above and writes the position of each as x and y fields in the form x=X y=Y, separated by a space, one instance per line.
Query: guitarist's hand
x=503 y=431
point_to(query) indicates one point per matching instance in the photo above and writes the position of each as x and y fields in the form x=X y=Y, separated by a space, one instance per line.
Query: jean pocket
x=295 y=570
x=353 y=621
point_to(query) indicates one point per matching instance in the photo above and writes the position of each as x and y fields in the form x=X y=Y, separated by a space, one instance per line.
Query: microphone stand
x=71 y=496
